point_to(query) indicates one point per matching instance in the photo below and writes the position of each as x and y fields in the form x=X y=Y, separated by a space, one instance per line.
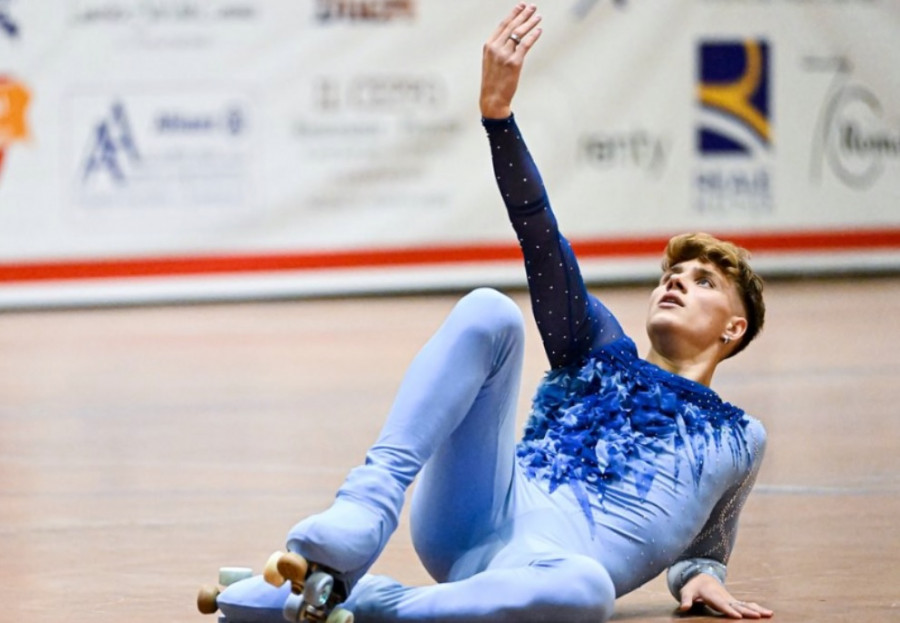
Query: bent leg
x=466 y=486
x=568 y=589
x=462 y=382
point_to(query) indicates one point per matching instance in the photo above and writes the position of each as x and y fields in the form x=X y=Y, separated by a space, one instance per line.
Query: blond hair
x=733 y=261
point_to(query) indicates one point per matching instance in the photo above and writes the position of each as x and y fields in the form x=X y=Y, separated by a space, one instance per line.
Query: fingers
x=525 y=42
x=503 y=57
x=505 y=27
x=709 y=591
x=756 y=611
x=746 y=610
x=504 y=24
x=523 y=30
x=517 y=27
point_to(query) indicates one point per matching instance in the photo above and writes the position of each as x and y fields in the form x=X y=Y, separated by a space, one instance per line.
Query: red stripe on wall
x=117 y=268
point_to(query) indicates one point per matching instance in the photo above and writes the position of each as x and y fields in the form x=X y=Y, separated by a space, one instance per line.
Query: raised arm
x=571 y=322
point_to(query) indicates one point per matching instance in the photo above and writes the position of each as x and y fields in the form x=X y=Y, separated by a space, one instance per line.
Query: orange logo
x=14 y=98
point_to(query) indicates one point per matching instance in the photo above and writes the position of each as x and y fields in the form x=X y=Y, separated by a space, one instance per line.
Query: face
x=693 y=307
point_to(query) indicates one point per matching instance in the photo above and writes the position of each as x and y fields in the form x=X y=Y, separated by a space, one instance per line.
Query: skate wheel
x=339 y=615
x=318 y=589
x=230 y=575
x=270 y=572
x=207 y=600
x=293 y=608
x=292 y=567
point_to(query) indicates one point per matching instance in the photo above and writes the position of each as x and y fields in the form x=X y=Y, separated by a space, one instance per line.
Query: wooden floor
x=141 y=449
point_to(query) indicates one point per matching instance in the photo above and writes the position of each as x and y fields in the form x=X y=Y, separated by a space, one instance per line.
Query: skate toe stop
x=207 y=600
x=271 y=573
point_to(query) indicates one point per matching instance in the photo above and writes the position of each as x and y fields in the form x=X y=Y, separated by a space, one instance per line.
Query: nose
x=675 y=282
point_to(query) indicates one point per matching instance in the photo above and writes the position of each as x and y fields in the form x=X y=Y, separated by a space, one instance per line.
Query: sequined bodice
x=611 y=418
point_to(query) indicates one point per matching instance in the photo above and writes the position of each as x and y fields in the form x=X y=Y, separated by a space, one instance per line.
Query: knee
x=490 y=312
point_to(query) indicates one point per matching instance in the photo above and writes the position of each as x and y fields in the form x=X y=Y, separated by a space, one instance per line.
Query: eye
x=706 y=282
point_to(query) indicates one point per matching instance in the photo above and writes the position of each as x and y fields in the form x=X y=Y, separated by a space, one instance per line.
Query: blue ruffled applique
x=611 y=418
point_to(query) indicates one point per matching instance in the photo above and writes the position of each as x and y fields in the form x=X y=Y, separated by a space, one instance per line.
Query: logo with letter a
x=112 y=150
x=733 y=91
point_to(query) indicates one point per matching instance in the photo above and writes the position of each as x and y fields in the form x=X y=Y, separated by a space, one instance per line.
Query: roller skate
x=316 y=590
x=294 y=590
x=349 y=535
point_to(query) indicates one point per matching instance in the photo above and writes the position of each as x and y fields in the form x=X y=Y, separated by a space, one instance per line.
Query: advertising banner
x=195 y=149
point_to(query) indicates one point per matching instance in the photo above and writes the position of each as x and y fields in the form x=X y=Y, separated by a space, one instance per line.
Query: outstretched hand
x=502 y=59
x=707 y=590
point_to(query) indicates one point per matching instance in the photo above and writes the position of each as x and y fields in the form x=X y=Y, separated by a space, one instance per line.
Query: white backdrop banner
x=173 y=149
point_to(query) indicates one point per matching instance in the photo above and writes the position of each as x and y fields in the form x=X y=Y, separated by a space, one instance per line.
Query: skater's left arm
x=698 y=576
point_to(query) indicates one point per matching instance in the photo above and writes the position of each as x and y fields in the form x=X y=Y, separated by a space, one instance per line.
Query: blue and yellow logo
x=14 y=99
x=733 y=91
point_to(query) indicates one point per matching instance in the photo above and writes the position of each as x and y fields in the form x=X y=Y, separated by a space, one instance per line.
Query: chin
x=663 y=330
x=661 y=322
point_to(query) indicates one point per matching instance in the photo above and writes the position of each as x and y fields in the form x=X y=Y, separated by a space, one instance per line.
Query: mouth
x=671 y=300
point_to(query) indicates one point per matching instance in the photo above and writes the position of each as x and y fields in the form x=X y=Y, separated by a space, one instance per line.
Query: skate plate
x=316 y=590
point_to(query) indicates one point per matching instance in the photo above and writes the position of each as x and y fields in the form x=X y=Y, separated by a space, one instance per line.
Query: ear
x=735 y=328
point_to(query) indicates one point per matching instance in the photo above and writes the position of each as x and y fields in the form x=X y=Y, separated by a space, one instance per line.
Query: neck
x=698 y=368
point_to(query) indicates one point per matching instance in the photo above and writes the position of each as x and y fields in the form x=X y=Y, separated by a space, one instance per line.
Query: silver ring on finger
x=516 y=38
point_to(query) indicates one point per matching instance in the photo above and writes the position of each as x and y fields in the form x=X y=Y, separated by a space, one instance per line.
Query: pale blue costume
x=624 y=469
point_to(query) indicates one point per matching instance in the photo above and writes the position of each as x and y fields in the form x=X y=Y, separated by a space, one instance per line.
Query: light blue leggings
x=500 y=548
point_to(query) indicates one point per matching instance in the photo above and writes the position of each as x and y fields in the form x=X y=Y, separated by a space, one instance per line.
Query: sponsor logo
x=364 y=10
x=368 y=139
x=380 y=93
x=733 y=90
x=14 y=99
x=112 y=150
x=583 y=7
x=161 y=151
x=794 y=2
x=636 y=149
x=356 y=113
x=853 y=137
x=8 y=25
x=734 y=133
x=162 y=23
x=160 y=12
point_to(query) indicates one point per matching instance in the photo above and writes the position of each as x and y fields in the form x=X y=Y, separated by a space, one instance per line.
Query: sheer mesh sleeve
x=571 y=322
x=716 y=539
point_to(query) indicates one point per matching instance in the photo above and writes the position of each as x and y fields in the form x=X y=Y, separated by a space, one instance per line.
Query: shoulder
x=621 y=350
x=755 y=436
